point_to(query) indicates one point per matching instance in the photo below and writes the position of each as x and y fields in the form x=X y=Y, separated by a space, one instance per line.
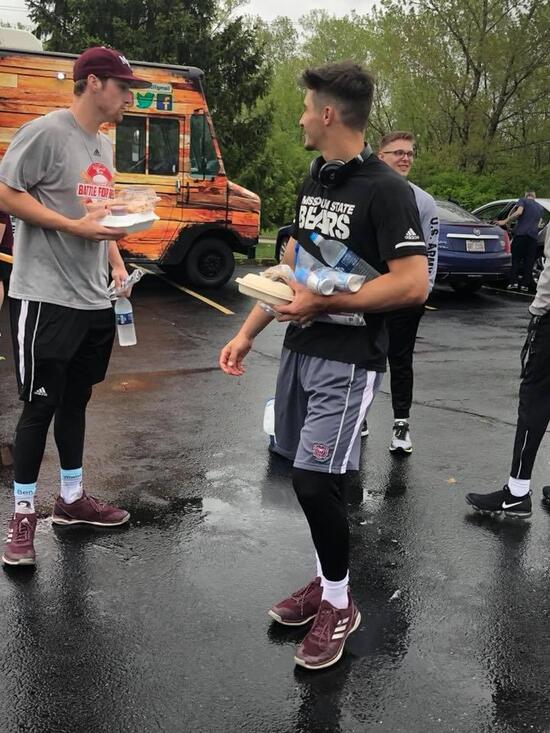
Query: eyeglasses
x=401 y=153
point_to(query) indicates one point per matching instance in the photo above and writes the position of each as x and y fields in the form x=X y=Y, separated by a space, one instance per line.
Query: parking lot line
x=209 y=302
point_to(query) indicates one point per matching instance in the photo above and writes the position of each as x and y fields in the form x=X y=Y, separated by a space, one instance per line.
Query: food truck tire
x=209 y=264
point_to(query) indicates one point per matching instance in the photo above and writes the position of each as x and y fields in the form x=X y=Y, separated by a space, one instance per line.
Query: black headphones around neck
x=332 y=173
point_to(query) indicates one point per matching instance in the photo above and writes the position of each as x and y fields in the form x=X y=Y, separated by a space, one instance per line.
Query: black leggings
x=322 y=496
x=32 y=430
x=402 y=327
x=534 y=397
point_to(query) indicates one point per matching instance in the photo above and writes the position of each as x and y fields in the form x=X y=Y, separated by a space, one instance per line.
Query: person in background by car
x=396 y=149
x=533 y=409
x=524 y=244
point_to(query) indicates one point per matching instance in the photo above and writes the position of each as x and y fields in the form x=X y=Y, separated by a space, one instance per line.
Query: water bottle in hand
x=125 y=322
x=337 y=255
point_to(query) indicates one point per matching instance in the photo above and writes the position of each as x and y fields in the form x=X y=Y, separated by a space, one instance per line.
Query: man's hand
x=89 y=227
x=303 y=308
x=232 y=355
x=120 y=278
x=501 y=222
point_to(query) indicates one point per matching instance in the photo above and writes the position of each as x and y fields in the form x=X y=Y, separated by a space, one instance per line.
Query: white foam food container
x=131 y=222
x=264 y=289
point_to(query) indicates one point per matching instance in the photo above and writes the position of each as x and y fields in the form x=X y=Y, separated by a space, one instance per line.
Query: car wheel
x=209 y=264
x=466 y=286
x=281 y=247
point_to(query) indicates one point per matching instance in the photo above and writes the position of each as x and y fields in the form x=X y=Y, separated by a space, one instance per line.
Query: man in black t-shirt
x=352 y=210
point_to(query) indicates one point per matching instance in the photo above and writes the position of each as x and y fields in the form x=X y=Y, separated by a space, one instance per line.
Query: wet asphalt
x=162 y=625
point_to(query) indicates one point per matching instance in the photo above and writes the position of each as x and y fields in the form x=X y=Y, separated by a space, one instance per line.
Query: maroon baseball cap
x=106 y=63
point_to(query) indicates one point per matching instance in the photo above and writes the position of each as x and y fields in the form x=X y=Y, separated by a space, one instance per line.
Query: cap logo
x=125 y=61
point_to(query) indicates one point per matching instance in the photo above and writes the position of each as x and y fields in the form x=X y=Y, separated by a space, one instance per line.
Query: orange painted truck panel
x=166 y=141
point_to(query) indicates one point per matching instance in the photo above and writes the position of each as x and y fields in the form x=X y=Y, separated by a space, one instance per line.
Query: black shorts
x=56 y=346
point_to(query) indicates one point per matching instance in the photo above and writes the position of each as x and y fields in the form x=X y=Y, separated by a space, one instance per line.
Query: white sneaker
x=364 y=429
x=401 y=438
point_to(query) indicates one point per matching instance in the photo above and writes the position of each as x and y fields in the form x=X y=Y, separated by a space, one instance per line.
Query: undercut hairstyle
x=391 y=137
x=80 y=86
x=348 y=85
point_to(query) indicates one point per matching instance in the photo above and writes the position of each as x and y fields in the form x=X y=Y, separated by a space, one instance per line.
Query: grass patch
x=263 y=252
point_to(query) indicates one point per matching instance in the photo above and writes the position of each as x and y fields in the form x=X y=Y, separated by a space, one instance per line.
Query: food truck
x=167 y=141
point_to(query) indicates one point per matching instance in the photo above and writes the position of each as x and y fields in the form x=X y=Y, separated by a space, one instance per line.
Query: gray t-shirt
x=61 y=166
x=429 y=221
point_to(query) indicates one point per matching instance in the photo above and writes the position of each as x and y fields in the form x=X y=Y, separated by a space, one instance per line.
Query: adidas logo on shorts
x=41 y=392
x=411 y=234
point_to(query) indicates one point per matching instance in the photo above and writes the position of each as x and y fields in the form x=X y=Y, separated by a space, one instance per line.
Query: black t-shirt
x=374 y=214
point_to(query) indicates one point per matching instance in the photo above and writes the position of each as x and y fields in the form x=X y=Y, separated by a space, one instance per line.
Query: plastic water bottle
x=337 y=255
x=125 y=322
x=269 y=417
x=269 y=421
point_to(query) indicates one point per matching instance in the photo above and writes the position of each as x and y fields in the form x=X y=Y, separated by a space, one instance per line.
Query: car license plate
x=474 y=245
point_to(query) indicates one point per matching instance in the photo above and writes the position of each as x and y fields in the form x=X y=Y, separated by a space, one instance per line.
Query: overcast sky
x=14 y=11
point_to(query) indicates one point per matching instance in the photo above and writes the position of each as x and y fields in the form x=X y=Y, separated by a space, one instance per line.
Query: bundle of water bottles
x=347 y=273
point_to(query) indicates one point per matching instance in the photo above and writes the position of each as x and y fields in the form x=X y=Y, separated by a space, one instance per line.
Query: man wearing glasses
x=397 y=150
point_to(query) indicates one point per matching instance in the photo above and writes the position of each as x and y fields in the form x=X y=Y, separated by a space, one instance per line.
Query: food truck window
x=130 y=145
x=204 y=162
x=164 y=138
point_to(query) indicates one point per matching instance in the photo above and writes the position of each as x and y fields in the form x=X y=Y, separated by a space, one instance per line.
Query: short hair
x=396 y=135
x=80 y=86
x=349 y=85
x=530 y=195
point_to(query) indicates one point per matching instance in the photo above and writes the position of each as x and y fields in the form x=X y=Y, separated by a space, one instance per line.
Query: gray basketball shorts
x=320 y=406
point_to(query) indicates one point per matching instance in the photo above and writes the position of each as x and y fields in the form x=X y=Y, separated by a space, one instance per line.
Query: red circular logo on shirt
x=99 y=174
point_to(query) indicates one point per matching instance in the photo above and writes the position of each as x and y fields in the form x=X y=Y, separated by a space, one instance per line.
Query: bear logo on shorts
x=320 y=451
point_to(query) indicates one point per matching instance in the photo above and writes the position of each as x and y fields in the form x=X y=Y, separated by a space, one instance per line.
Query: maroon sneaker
x=324 y=644
x=88 y=510
x=300 y=607
x=19 y=547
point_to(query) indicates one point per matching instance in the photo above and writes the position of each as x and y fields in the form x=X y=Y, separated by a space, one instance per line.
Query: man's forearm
x=385 y=293
x=23 y=206
x=115 y=258
x=257 y=320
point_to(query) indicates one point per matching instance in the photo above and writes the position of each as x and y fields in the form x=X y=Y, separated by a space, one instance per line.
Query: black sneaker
x=546 y=495
x=364 y=429
x=501 y=501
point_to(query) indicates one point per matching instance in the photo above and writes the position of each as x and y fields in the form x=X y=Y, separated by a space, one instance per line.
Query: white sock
x=71 y=484
x=519 y=486
x=319 y=568
x=336 y=592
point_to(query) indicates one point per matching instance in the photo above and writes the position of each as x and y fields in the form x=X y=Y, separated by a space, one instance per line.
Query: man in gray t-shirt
x=57 y=178
x=396 y=149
